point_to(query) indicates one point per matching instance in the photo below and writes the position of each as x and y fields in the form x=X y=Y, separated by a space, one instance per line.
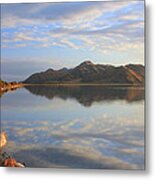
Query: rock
x=5 y=159
x=11 y=162
x=3 y=139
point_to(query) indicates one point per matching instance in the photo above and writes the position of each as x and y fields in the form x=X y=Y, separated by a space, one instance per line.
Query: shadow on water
x=64 y=158
x=86 y=95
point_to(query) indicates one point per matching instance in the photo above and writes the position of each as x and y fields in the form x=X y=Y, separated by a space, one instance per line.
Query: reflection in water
x=86 y=95
x=71 y=129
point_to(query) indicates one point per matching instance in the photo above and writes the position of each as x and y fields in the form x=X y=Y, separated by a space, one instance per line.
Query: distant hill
x=87 y=72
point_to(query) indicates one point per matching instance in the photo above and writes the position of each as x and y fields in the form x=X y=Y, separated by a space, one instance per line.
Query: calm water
x=75 y=127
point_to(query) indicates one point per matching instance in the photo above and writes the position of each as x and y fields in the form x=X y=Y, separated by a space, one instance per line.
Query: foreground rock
x=5 y=159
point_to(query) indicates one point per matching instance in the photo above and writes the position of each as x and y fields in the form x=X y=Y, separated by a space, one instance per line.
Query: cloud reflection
x=100 y=142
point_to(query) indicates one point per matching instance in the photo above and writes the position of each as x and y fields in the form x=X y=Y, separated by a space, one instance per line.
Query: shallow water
x=75 y=127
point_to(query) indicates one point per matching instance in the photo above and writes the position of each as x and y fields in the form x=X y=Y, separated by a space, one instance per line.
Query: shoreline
x=15 y=85
x=85 y=84
x=5 y=87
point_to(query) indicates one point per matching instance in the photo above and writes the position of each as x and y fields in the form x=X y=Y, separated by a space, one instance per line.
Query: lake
x=93 y=127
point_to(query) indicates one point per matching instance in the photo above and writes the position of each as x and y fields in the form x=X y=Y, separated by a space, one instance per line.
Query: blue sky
x=38 y=36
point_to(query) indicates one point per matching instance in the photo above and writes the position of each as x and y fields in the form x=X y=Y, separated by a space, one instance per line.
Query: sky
x=39 y=36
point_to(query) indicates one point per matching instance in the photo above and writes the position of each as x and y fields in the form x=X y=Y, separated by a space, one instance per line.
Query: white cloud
x=101 y=27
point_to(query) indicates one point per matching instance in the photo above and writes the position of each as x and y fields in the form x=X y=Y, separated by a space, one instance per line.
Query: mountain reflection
x=86 y=95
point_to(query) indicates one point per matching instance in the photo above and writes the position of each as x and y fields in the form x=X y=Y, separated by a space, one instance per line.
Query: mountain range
x=88 y=72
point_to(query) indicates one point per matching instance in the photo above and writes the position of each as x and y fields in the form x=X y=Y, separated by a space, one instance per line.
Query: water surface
x=75 y=127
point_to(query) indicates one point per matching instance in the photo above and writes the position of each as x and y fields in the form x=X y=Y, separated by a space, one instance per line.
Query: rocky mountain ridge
x=88 y=72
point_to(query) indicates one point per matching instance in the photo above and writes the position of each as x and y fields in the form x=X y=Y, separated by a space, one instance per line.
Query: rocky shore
x=5 y=86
